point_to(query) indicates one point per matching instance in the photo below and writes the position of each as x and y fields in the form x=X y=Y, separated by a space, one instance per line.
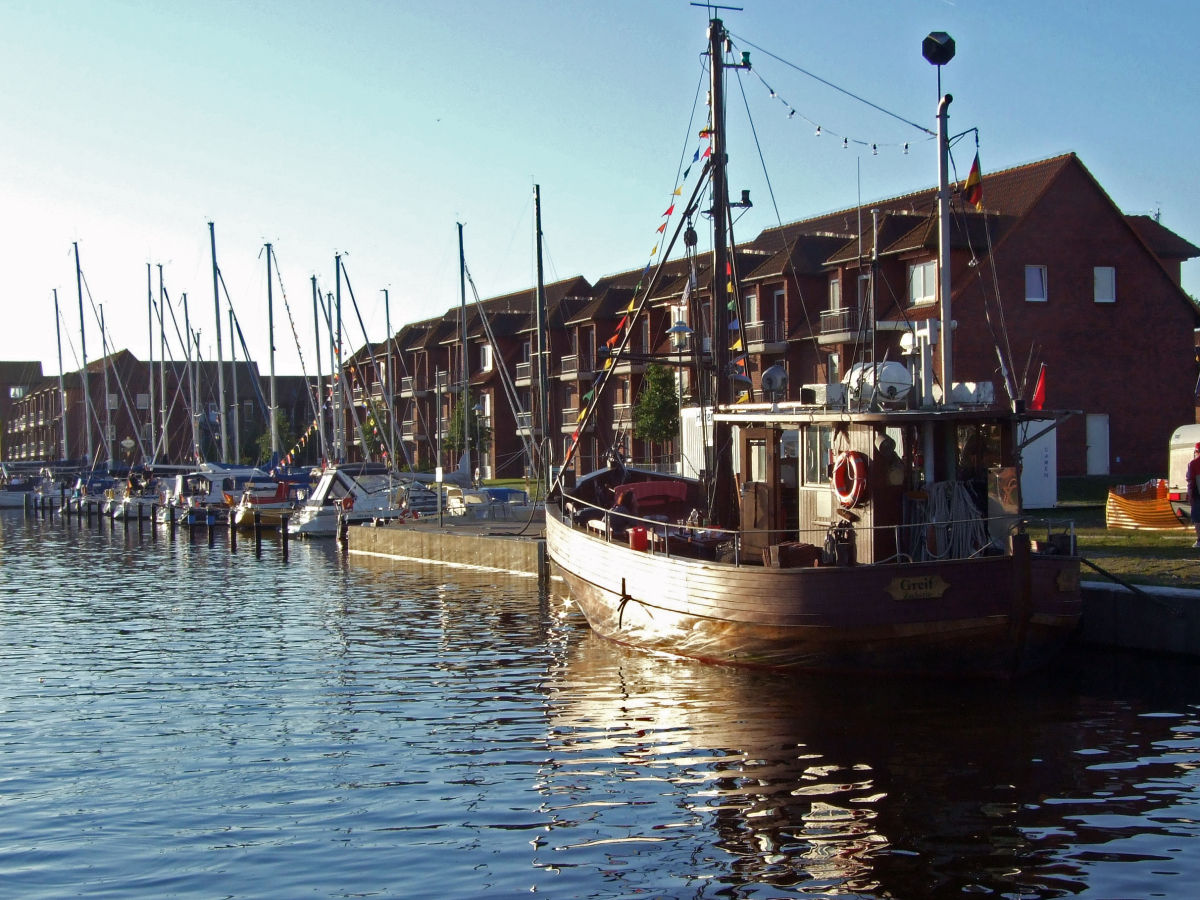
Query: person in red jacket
x=1193 y=474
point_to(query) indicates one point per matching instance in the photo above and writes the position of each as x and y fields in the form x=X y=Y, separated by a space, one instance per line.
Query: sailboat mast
x=271 y=338
x=391 y=377
x=212 y=236
x=108 y=428
x=162 y=366
x=83 y=372
x=723 y=499
x=62 y=390
x=193 y=412
x=335 y=333
x=466 y=382
x=233 y=408
x=150 y=365
x=320 y=390
x=540 y=312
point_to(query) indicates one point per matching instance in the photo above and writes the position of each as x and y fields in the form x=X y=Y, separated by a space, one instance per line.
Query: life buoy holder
x=850 y=477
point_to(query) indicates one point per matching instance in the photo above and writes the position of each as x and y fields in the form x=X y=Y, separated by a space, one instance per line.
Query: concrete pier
x=1154 y=619
x=495 y=546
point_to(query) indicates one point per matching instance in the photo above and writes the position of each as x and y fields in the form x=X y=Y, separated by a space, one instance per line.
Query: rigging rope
x=835 y=87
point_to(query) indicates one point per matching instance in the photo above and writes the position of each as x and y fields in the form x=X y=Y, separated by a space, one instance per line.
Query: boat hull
x=984 y=617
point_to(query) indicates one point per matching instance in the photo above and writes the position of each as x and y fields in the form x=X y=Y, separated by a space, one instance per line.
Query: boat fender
x=850 y=477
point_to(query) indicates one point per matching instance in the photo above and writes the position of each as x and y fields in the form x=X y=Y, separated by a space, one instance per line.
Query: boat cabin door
x=761 y=489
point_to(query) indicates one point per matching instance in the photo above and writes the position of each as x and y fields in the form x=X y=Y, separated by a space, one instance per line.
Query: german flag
x=973 y=186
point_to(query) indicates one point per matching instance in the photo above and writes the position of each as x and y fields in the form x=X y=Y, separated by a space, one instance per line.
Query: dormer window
x=922 y=283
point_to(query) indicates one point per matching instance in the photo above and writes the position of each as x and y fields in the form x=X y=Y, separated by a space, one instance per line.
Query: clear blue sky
x=371 y=128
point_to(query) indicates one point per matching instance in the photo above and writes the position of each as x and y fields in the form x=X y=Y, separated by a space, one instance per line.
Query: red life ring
x=347 y=502
x=850 y=477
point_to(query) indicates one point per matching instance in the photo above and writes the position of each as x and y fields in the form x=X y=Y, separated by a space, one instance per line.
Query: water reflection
x=192 y=722
x=876 y=788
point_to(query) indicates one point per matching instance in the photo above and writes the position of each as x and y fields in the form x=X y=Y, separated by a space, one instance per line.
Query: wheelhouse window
x=922 y=283
x=1035 y=284
x=817 y=443
x=1104 y=279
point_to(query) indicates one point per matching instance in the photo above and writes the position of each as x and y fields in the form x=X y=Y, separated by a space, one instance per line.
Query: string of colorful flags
x=820 y=131
x=621 y=332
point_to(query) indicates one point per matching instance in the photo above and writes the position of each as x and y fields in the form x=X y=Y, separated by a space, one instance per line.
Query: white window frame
x=922 y=283
x=864 y=291
x=1040 y=273
x=835 y=293
x=142 y=401
x=485 y=357
x=1104 y=284
x=753 y=308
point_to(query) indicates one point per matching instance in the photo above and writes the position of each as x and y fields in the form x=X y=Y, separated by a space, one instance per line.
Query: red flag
x=973 y=187
x=1039 y=391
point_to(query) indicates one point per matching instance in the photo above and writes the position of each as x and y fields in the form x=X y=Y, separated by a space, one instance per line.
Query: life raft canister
x=850 y=477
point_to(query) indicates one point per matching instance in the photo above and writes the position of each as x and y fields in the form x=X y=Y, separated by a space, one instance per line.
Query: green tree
x=262 y=444
x=480 y=433
x=656 y=413
x=376 y=431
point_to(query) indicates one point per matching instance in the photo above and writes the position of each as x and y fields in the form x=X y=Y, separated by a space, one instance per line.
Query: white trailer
x=1183 y=442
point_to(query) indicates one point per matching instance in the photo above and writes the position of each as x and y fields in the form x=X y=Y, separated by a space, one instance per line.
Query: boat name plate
x=926 y=587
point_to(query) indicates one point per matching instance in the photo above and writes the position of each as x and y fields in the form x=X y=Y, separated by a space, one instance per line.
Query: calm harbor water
x=181 y=721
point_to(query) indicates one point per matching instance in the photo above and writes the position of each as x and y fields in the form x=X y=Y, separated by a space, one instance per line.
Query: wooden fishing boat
x=860 y=528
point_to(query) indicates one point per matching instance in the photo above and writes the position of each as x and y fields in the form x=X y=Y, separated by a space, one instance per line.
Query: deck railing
x=1064 y=539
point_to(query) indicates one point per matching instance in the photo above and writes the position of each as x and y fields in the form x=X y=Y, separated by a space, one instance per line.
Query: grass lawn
x=1139 y=557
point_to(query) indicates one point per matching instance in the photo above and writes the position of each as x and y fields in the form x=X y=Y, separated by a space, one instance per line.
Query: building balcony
x=444 y=384
x=414 y=386
x=523 y=374
x=627 y=366
x=570 y=420
x=838 y=326
x=526 y=426
x=372 y=393
x=410 y=430
x=765 y=337
x=622 y=417
x=577 y=365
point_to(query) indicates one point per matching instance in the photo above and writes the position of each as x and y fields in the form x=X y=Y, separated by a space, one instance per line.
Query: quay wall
x=1159 y=620
x=475 y=548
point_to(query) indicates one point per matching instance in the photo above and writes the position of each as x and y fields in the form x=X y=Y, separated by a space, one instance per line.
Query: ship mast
x=212 y=237
x=83 y=371
x=724 y=503
x=62 y=390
